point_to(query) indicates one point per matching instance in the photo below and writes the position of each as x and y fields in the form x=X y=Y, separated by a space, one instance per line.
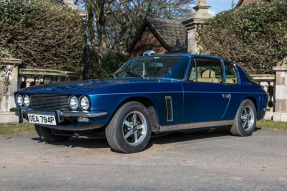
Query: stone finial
x=283 y=62
x=201 y=3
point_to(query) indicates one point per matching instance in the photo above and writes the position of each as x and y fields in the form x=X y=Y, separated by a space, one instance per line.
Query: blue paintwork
x=192 y=101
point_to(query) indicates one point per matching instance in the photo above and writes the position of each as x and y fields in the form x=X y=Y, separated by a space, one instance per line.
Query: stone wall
x=13 y=79
x=268 y=83
x=30 y=77
x=280 y=113
x=8 y=85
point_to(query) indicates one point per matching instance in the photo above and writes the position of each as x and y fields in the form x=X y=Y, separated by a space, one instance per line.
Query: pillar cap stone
x=200 y=15
x=10 y=61
x=70 y=3
x=280 y=68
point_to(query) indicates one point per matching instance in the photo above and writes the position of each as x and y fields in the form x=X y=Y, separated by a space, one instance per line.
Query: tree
x=112 y=24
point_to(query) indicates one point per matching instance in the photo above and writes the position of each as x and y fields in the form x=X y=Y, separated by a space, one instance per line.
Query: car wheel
x=129 y=130
x=47 y=135
x=245 y=119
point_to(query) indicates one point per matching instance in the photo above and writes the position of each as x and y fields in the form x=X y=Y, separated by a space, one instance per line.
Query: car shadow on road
x=183 y=136
x=160 y=139
x=81 y=142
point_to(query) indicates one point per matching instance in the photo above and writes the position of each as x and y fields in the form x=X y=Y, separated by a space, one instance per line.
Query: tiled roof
x=171 y=31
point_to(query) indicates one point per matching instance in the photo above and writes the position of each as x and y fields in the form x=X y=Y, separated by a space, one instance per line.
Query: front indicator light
x=83 y=119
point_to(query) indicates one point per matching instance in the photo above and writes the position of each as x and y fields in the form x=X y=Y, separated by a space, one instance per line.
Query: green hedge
x=254 y=36
x=42 y=34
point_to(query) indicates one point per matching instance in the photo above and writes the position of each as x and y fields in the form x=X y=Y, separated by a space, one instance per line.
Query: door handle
x=226 y=95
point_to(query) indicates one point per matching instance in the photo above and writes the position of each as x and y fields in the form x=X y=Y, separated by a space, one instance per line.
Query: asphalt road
x=178 y=161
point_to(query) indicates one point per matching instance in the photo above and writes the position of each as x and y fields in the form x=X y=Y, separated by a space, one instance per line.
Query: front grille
x=49 y=101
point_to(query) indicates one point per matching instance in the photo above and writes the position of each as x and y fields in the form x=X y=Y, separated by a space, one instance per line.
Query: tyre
x=129 y=130
x=245 y=119
x=47 y=135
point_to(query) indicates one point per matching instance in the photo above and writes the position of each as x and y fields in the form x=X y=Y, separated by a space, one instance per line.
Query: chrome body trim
x=172 y=92
x=83 y=114
x=195 y=125
x=66 y=113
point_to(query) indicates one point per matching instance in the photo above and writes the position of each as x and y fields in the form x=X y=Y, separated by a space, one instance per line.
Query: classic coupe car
x=149 y=94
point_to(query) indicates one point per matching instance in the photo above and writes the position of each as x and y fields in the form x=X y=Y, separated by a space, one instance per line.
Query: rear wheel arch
x=254 y=100
x=245 y=120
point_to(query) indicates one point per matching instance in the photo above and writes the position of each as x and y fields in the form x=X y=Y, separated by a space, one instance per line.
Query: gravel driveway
x=178 y=161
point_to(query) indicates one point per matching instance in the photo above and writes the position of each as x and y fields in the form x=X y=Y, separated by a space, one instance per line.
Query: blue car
x=149 y=94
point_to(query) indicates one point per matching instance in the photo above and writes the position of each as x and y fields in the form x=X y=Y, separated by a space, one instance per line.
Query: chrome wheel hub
x=134 y=128
x=247 y=117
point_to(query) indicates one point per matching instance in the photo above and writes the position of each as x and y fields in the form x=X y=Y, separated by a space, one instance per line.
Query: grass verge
x=272 y=125
x=10 y=129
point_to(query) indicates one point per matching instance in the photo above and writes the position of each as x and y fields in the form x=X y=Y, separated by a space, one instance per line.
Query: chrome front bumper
x=59 y=114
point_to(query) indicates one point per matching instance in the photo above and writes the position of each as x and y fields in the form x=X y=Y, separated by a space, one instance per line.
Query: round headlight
x=73 y=102
x=19 y=99
x=26 y=100
x=85 y=104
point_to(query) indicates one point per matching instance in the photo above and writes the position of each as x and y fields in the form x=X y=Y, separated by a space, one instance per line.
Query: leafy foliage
x=111 y=62
x=42 y=34
x=254 y=36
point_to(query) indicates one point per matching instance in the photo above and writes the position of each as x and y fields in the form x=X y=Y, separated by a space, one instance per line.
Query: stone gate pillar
x=8 y=85
x=280 y=113
x=190 y=24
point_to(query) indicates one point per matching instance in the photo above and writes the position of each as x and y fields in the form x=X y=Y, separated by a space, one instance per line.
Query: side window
x=230 y=73
x=207 y=70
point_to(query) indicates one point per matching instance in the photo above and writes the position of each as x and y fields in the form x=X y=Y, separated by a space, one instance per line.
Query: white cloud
x=211 y=12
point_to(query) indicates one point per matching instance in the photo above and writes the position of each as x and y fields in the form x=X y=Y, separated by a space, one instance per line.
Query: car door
x=232 y=83
x=206 y=96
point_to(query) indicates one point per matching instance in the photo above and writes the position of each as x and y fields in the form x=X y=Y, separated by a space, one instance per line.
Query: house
x=161 y=35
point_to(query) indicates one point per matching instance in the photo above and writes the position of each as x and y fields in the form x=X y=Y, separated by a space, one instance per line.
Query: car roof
x=182 y=54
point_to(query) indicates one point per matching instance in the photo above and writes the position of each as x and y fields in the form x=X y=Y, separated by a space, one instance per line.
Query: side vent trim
x=169 y=108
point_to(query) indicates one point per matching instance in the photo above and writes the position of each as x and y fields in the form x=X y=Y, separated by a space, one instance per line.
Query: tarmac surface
x=177 y=161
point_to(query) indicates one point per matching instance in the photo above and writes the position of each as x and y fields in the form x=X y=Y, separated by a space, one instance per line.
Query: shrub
x=254 y=36
x=42 y=34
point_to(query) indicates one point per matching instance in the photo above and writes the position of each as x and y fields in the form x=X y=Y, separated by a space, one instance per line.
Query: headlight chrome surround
x=27 y=100
x=19 y=99
x=84 y=103
x=73 y=102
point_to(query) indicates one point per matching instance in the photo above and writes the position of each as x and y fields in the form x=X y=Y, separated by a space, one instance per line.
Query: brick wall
x=148 y=41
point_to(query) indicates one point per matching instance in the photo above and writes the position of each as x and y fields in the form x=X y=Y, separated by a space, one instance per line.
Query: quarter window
x=230 y=73
x=206 y=70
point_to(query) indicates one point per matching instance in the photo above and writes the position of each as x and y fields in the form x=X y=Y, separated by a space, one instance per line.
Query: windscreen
x=156 y=66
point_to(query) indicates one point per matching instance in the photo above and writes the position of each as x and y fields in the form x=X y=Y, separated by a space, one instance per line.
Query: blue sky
x=219 y=5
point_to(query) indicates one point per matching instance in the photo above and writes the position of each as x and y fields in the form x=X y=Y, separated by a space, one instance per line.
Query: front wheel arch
x=124 y=126
x=148 y=103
